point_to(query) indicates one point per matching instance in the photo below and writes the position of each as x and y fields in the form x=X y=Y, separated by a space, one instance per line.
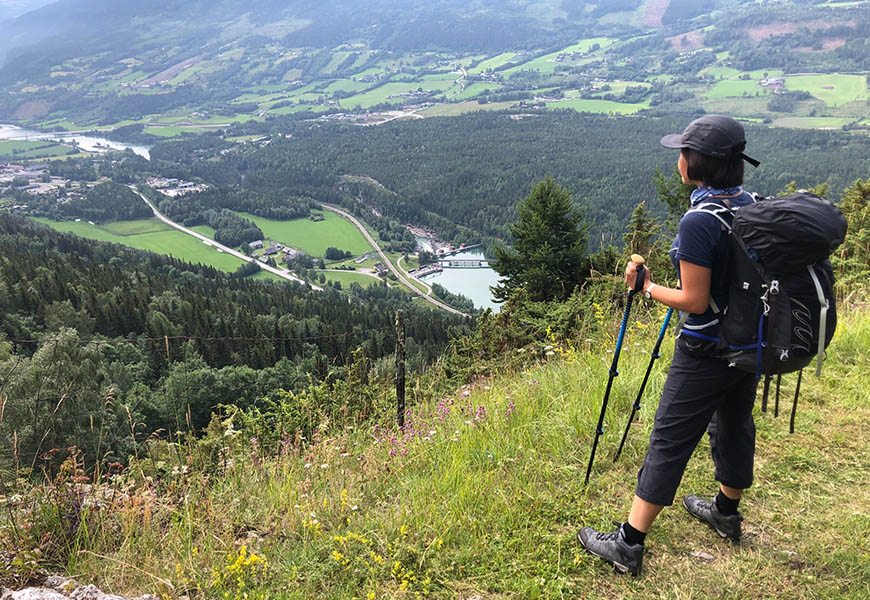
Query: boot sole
x=719 y=532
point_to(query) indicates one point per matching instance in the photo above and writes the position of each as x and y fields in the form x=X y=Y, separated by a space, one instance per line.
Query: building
x=256 y=245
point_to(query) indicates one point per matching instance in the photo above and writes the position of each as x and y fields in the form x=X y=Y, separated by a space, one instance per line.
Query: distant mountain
x=118 y=26
x=9 y=9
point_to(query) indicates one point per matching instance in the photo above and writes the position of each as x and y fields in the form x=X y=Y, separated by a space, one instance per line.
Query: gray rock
x=704 y=556
x=33 y=594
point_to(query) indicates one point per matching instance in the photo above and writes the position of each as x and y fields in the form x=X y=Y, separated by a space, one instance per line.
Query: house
x=256 y=245
x=270 y=250
x=316 y=217
x=381 y=269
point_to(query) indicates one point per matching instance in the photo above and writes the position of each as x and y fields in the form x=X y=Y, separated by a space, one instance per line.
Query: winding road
x=228 y=250
x=390 y=265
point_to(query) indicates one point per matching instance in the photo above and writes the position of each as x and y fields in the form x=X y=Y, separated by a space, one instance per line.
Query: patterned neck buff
x=705 y=191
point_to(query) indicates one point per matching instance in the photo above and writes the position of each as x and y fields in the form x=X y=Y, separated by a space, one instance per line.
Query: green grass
x=841 y=88
x=547 y=63
x=314 y=237
x=493 y=63
x=151 y=235
x=474 y=89
x=727 y=88
x=490 y=506
x=599 y=106
x=812 y=122
x=346 y=278
x=25 y=149
x=381 y=94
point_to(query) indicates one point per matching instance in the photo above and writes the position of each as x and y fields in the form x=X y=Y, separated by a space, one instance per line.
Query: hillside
x=78 y=64
x=481 y=495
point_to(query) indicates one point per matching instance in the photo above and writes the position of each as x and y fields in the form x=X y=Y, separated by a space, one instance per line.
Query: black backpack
x=781 y=308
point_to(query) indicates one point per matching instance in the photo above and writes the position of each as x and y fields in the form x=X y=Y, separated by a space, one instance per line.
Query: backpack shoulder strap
x=724 y=214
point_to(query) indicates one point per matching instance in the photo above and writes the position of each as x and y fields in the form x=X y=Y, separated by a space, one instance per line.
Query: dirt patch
x=32 y=109
x=60 y=74
x=827 y=45
x=655 y=10
x=687 y=41
x=765 y=31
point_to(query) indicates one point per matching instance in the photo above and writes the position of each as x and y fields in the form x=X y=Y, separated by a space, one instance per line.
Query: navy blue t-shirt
x=703 y=240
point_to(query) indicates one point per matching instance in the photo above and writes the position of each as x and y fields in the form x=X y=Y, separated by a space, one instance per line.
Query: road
x=387 y=262
x=226 y=249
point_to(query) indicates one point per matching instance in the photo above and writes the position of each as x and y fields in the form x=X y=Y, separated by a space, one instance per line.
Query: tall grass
x=480 y=494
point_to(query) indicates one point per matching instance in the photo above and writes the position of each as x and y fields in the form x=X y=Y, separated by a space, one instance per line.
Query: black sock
x=726 y=505
x=632 y=535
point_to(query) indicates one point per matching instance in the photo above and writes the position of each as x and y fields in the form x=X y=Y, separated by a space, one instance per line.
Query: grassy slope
x=490 y=506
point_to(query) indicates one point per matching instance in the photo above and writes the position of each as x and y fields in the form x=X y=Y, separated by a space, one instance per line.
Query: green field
x=812 y=122
x=346 y=278
x=474 y=89
x=381 y=94
x=548 y=64
x=25 y=149
x=314 y=237
x=833 y=90
x=151 y=235
x=493 y=63
x=599 y=106
x=729 y=88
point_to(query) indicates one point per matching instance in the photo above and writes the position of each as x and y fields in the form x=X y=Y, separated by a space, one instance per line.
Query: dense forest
x=172 y=340
x=463 y=176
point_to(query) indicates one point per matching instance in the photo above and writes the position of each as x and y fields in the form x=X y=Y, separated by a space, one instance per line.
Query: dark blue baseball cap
x=713 y=135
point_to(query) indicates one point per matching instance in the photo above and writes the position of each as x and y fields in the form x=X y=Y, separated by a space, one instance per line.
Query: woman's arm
x=694 y=297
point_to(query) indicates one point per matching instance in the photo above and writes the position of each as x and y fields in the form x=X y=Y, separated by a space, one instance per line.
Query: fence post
x=400 y=367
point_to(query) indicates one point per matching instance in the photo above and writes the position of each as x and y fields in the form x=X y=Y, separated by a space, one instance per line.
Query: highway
x=387 y=262
x=226 y=249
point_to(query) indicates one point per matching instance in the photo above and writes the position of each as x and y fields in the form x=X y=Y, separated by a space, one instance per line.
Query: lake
x=85 y=142
x=471 y=283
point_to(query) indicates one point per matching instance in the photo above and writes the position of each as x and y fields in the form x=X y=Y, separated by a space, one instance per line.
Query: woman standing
x=701 y=391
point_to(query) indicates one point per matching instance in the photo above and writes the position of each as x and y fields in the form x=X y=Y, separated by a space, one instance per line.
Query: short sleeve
x=699 y=236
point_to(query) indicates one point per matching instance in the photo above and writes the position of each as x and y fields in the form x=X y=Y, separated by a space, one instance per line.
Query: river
x=471 y=283
x=85 y=142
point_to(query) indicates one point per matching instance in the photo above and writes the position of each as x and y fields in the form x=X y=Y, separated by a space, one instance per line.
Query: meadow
x=314 y=237
x=599 y=106
x=13 y=149
x=151 y=235
x=481 y=494
x=348 y=277
x=833 y=90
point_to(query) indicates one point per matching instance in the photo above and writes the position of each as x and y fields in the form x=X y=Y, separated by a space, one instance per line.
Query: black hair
x=718 y=173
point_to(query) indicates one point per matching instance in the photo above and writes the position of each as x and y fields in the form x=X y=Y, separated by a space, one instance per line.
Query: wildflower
x=324 y=466
x=510 y=408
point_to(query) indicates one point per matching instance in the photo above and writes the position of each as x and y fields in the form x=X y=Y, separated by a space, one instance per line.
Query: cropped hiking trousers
x=700 y=393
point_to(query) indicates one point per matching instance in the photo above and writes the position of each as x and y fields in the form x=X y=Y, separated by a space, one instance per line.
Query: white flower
x=307 y=465
x=324 y=466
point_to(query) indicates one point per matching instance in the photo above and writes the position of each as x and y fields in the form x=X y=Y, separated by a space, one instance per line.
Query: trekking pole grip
x=640 y=267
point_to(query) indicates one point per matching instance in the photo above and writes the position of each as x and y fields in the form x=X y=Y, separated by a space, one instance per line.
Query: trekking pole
x=636 y=406
x=794 y=406
x=638 y=286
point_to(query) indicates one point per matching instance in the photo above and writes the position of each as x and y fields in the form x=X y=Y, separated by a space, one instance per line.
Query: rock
x=33 y=594
x=704 y=556
x=60 y=588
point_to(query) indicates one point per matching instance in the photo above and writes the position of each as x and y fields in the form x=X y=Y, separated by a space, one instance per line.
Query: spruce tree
x=548 y=259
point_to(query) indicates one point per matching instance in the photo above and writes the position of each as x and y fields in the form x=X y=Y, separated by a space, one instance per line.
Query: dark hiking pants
x=700 y=393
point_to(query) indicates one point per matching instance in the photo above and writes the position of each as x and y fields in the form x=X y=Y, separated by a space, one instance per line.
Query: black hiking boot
x=727 y=526
x=612 y=547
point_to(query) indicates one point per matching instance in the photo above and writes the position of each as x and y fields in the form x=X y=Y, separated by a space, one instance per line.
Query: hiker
x=701 y=391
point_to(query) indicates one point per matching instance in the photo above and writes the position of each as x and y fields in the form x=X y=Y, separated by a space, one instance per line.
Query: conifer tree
x=548 y=259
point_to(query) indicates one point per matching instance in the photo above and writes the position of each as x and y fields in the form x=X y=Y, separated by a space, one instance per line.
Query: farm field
x=451 y=110
x=812 y=122
x=728 y=88
x=833 y=90
x=151 y=235
x=599 y=106
x=25 y=149
x=381 y=94
x=346 y=278
x=313 y=237
x=493 y=63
